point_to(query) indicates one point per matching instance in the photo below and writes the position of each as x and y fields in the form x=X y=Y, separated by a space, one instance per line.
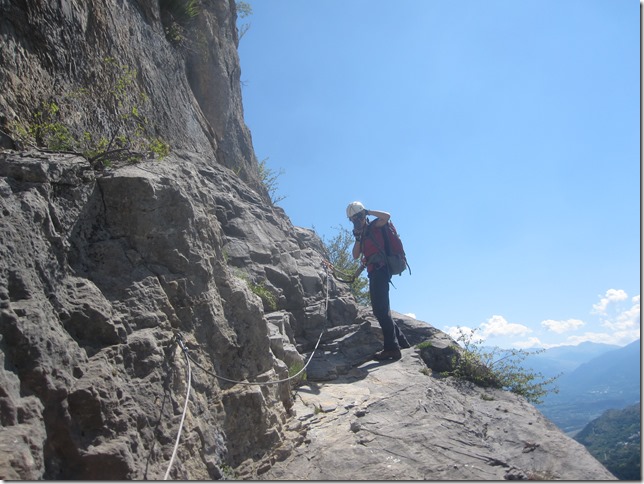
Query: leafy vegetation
x=293 y=370
x=497 y=368
x=339 y=253
x=243 y=10
x=44 y=130
x=267 y=297
x=259 y=289
x=424 y=344
x=54 y=125
x=269 y=177
x=614 y=439
x=176 y=17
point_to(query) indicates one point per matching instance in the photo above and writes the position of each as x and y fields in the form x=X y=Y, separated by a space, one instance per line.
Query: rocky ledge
x=399 y=421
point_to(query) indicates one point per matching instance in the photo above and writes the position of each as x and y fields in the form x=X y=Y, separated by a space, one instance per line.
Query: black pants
x=379 y=292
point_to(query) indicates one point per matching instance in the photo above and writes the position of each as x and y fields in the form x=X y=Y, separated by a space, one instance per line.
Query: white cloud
x=498 y=326
x=589 y=337
x=612 y=295
x=411 y=315
x=455 y=332
x=625 y=320
x=619 y=338
x=619 y=326
x=495 y=326
x=562 y=326
x=532 y=342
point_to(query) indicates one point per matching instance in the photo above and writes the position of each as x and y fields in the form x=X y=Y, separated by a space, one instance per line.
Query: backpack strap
x=385 y=237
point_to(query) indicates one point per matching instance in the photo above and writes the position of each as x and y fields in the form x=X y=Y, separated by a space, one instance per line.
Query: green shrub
x=269 y=177
x=270 y=303
x=45 y=129
x=176 y=17
x=294 y=370
x=339 y=253
x=56 y=125
x=499 y=368
x=244 y=10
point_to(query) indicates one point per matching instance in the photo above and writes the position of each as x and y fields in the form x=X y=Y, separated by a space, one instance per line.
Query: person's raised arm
x=382 y=217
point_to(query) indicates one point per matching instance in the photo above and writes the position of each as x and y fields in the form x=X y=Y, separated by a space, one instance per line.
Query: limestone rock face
x=150 y=314
x=63 y=51
x=99 y=275
x=395 y=421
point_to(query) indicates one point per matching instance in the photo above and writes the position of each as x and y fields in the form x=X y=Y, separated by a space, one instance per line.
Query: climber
x=368 y=241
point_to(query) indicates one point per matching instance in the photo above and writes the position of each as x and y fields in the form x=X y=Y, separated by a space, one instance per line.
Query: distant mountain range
x=595 y=378
x=565 y=359
x=614 y=439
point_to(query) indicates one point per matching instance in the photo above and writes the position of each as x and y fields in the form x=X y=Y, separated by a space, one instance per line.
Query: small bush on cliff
x=295 y=369
x=259 y=289
x=176 y=17
x=339 y=254
x=269 y=177
x=498 y=368
x=45 y=129
x=244 y=10
x=110 y=101
x=268 y=299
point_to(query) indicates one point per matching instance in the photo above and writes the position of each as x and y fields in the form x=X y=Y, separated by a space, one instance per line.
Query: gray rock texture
x=61 y=52
x=395 y=421
x=98 y=277
x=151 y=313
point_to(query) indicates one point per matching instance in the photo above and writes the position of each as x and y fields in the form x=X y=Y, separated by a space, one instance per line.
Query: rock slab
x=395 y=421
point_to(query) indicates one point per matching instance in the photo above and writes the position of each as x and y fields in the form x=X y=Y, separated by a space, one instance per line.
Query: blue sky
x=503 y=137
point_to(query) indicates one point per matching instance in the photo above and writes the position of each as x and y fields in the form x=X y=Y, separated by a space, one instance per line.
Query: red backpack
x=393 y=250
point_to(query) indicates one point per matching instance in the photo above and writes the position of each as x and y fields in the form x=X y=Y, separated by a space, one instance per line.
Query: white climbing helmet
x=354 y=208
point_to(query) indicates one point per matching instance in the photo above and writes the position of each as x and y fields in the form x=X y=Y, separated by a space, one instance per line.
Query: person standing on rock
x=368 y=240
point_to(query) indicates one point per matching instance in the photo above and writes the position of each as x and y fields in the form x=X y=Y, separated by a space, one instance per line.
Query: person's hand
x=357 y=233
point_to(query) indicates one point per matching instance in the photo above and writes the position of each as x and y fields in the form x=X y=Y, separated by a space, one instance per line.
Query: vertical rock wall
x=98 y=276
x=61 y=51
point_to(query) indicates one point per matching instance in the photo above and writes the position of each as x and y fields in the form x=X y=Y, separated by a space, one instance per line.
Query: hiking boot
x=388 y=355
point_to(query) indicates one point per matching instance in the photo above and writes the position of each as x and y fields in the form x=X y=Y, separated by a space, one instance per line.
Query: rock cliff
x=147 y=310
